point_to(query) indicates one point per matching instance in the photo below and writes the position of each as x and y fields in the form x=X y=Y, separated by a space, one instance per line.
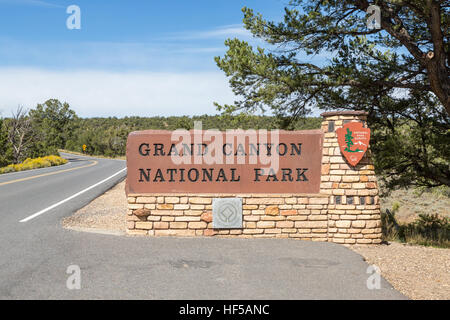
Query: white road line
x=70 y=198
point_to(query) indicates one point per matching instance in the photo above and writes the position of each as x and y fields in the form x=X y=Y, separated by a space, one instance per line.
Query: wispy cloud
x=36 y=3
x=189 y=50
x=222 y=32
x=152 y=55
x=105 y=93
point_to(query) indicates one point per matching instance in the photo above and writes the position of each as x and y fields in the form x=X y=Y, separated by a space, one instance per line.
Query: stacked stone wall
x=345 y=211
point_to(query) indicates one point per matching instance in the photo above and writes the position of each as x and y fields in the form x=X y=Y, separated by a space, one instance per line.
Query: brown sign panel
x=353 y=141
x=198 y=161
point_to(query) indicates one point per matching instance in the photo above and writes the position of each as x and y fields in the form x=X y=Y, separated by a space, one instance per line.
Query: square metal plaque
x=227 y=213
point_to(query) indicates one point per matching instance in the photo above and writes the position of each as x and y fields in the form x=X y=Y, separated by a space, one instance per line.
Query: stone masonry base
x=345 y=211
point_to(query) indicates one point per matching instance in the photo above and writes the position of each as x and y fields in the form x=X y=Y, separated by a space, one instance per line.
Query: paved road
x=23 y=194
x=35 y=254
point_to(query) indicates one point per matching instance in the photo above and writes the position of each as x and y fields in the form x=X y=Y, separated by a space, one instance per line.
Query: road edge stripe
x=70 y=198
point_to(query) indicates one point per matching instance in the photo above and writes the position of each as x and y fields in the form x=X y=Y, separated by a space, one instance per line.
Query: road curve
x=25 y=193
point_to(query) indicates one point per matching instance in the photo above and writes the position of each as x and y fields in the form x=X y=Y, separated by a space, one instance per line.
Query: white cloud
x=106 y=93
x=222 y=32
x=108 y=55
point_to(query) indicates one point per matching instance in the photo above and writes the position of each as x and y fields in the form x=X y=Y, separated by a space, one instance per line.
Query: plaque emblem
x=227 y=213
x=353 y=141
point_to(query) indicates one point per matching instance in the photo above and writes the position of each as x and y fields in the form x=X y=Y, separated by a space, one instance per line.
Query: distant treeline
x=108 y=136
x=409 y=152
x=53 y=125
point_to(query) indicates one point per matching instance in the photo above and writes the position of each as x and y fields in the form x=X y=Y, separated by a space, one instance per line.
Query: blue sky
x=142 y=58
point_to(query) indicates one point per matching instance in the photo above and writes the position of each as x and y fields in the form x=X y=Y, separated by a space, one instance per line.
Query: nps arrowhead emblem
x=353 y=141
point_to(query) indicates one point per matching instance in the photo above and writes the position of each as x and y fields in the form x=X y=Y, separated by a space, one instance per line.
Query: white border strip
x=70 y=198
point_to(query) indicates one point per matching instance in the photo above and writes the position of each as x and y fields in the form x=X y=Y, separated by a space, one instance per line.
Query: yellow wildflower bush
x=28 y=164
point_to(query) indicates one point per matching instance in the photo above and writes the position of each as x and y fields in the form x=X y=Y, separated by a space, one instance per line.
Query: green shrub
x=428 y=229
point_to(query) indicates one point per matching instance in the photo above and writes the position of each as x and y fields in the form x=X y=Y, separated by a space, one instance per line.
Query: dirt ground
x=416 y=271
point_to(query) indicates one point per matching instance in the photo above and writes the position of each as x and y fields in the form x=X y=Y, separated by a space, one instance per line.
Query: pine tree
x=399 y=74
x=349 y=140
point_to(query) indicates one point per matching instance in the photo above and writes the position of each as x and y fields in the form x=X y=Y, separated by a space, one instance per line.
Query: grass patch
x=416 y=201
x=427 y=229
x=439 y=192
x=28 y=164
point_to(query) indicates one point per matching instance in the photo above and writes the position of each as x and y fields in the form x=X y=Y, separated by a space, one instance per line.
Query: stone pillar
x=354 y=209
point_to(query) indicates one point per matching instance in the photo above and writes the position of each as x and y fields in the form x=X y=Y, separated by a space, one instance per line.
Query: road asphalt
x=36 y=252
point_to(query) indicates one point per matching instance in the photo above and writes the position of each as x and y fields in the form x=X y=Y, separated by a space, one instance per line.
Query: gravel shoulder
x=106 y=213
x=416 y=271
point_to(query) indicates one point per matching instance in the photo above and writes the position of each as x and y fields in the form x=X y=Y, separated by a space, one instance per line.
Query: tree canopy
x=5 y=148
x=52 y=124
x=398 y=73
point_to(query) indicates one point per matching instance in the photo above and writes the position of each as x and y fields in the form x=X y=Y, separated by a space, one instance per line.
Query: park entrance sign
x=222 y=162
x=255 y=183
